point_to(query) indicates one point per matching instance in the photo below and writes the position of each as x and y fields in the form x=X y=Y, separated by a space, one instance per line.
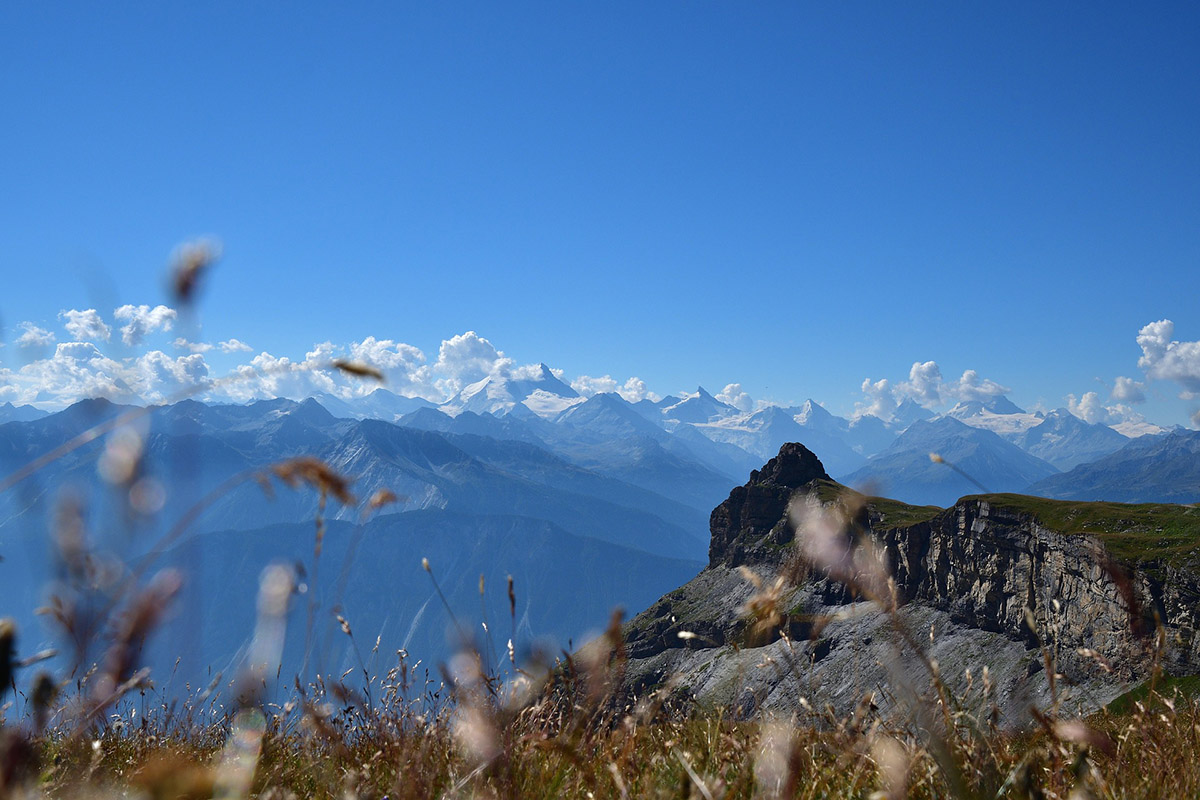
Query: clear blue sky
x=790 y=196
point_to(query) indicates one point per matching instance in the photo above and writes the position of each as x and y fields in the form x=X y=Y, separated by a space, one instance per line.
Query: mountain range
x=515 y=477
x=1151 y=469
x=474 y=504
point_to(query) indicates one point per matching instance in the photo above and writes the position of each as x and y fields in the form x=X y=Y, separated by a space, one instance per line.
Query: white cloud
x=33 y=336
x=1127 y=390
x=76 y=370
x=736 y=397
x=159 y=377
x=465 y=359
x=634 y=391
x=267 y=376
x=926 y=387
x=192 y=347
x=142 y=321
x=880 y=399
x=402 y=364
x=924 y=384
x=86 y=325
x=1165 y=358
x=228 y=346
x=588 y=386
x=971 y=387
x=1196 y=418
x=1090 y=408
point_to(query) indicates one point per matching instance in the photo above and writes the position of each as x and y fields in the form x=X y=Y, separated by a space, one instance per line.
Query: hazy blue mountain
x=477 y=503
x=11 y=413
x=868 y=435
x=1066 y=441
x=508 y=427
x=699 y=407
x=566 y=587
x=537 y=464
x=909 y=412
x=379 y=404
x=608 y=435
x=727 y=459
x=1151 y=469
x=191 y=449
x=408 y=461
x=652 y=410
x=904 y=470
x=606 y=416
x=764 y=431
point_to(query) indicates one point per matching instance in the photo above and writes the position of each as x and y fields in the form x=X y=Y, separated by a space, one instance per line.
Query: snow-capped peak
x=536 y=387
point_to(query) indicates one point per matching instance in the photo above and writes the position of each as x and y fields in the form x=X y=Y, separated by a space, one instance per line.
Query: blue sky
x=793 y=197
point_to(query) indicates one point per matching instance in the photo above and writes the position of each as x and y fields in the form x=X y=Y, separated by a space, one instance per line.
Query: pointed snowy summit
x=535 y=388
x=699 y=408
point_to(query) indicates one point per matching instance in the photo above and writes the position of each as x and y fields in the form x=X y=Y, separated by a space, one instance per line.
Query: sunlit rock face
x=987 y=582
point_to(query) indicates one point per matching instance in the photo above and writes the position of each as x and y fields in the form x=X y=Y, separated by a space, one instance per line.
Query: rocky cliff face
x=755 y=516
x=986 y=583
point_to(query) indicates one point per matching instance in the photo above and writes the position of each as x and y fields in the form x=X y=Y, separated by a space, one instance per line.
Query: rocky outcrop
x=998 y=582
x=753 y=520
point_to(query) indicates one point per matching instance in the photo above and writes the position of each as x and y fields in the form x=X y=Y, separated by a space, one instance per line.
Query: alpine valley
x=587 y=503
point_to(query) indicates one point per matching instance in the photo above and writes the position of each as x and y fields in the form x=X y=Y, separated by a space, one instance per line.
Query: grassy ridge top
x=890 y=513
x=1132 y=532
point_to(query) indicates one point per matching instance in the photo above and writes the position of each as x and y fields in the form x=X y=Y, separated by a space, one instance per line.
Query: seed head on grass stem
x=937 y=459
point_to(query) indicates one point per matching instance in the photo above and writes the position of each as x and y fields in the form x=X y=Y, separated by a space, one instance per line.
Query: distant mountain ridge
x=468 y=487
x=907 y=472
x=1151 y=469
x=1066 y=441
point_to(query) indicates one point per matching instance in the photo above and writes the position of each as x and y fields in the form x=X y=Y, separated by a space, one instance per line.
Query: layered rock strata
x=984 y=583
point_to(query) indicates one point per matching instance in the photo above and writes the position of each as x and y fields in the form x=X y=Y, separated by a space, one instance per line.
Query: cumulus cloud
x=192 y=347
x=971 y=387
x=1127 y=390
x=76 y=370
x=267 y=376
x=733 y=395
x=159 y=377
x=634 y=390
x=926 y=387
x=142 y=321
x=467 y=358
x=880 y=399
x=1196 y=418
x=1090 y=408
x=33 y=336
x=234 y=346
x=1166 y=358
x=924 y=384
x=86 y=325
x=588 y=386
x=228 y=346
